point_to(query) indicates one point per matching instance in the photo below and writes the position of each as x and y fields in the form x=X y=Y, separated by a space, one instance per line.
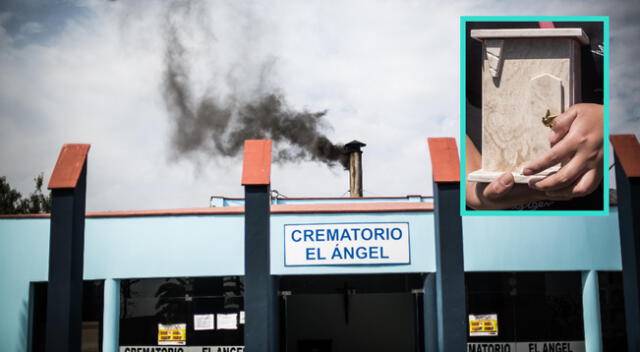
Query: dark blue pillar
x=449 y=277
x=66 y=249
x=260 y=297
x=430 y=314
x=627 y=159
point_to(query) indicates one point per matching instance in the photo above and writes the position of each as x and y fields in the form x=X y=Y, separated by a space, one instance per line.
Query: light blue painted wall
x=164 y=246
x=542 y=243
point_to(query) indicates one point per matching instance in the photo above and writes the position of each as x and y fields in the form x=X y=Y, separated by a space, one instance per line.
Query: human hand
x=503 y=193
x=576 y=144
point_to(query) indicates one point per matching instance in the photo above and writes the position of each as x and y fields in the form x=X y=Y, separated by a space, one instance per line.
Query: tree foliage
x=12 y=202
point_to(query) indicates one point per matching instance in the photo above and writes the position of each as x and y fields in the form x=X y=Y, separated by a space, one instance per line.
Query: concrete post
x=449 y=276
x=66 y=249
x=591 y=311
x=260 y=297
x=111 y=316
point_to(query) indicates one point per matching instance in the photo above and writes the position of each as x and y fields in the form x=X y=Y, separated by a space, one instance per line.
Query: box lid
x=574 y=33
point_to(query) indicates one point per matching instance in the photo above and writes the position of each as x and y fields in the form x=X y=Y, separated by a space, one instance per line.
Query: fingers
x=559 y=152
x=499 y=187
x=561 y=179
x=561 y=125
x=584 y=186
x=587 y=183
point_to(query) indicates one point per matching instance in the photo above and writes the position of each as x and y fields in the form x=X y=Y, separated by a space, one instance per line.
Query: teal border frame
x=463 y=124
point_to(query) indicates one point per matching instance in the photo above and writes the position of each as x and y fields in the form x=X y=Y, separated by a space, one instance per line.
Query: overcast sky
x=387 y=72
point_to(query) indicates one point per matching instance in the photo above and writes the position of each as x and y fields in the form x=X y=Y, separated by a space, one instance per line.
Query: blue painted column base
x=111 y=316
x=591 y=311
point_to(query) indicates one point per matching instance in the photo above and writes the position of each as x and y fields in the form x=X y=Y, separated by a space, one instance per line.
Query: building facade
x=351 y=275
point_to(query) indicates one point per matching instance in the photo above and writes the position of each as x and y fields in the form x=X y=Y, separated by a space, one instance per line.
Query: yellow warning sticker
x=172 y=334
x=483 y=324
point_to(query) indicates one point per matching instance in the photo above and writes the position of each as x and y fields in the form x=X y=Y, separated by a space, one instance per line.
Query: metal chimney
x=352 y=149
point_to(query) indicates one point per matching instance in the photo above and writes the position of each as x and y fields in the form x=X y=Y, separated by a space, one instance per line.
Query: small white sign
x=203 y=321
x=241 y=317
x=227 y=321
x=347 y=243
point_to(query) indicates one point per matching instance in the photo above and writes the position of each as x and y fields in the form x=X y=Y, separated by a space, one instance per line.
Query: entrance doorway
x=344 y=313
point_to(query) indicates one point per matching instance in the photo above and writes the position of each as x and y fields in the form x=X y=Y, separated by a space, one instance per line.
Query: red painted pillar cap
x=70 y=162
x=627 y=150
x=445 y=164
x=256 y=165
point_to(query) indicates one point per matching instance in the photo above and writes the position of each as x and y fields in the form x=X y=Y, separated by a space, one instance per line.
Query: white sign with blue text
x=346 y=244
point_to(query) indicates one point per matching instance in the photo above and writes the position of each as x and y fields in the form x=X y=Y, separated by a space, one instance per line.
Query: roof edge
x=382 y=207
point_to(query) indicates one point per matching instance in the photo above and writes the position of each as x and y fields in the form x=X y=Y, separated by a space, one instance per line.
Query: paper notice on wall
x=172 y=334
x=227 y=321
x=241 y=318
x=483 y=325
x=203 y=321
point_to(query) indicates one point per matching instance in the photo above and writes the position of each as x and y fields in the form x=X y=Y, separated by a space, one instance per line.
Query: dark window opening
x=531 y=306
x=92 y=309
x=612 y=317
x=146 y=304
x=336 y=313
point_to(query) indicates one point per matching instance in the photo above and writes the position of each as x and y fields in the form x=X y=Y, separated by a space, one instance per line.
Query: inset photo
x=534 y=115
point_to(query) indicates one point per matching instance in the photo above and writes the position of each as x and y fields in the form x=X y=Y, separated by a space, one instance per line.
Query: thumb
x=499 y=187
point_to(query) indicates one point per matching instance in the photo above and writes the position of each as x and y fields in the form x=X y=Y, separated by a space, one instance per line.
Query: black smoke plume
x=208 y=125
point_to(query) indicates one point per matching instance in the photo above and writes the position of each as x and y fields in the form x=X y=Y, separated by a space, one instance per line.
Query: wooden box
x=525 y=73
